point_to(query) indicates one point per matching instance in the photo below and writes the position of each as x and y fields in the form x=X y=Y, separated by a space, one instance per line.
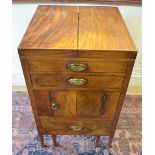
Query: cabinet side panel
x=121 y=99
x=31 y=95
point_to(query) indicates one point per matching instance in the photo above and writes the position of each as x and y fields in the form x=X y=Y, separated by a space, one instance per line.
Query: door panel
x=96 y=104
x=42 y=99
x=90 y=103
x=65 y=102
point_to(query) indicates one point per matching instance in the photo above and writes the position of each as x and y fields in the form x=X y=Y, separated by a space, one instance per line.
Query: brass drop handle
x=76 y=82
x=77 y=67
x=54 y=106
x=75 y=127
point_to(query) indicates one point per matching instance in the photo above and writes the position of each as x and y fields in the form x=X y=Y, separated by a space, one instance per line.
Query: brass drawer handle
x=76 y=127
x=79 y=127
x=77 y=67
x=77 y=82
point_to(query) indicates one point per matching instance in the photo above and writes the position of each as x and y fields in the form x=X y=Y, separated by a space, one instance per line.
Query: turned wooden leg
x=41 y=140
x=54 y=140
x=98 y=141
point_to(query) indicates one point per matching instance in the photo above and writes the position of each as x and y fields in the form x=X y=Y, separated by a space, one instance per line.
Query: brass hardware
x=54 y=106
x=77 y=82
x=92 y=127
x=79 y=127
x=76 y=127
x=77 y=67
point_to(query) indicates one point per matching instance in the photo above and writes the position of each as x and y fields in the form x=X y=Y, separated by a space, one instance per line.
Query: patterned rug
x=127 y=139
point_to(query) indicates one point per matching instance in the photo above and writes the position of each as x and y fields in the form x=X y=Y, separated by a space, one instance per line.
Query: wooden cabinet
x=77 y=63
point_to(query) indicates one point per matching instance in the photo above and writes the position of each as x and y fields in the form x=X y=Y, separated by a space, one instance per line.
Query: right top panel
x=103 y=28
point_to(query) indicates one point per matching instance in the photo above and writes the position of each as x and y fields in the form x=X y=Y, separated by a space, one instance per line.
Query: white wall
x=22 y=14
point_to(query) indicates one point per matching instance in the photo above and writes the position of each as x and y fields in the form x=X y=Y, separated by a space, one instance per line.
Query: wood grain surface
x=102 y=28
x=66 y=103
x=102 y=106
x=62 y=126
x=43 y=103
x=77 y=28
x=52 y=27
x=59 y=80
x=61 y=65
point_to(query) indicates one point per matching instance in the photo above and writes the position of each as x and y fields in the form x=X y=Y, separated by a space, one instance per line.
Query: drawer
x=77 y=81
x=80 y=127
x=77 y=66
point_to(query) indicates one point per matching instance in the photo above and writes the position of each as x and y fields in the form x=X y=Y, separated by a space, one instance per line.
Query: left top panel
x=52 y=27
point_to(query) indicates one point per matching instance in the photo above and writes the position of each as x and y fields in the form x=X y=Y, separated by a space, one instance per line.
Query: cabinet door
x=93 y=104
x=63 y=103
x=42 y=99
